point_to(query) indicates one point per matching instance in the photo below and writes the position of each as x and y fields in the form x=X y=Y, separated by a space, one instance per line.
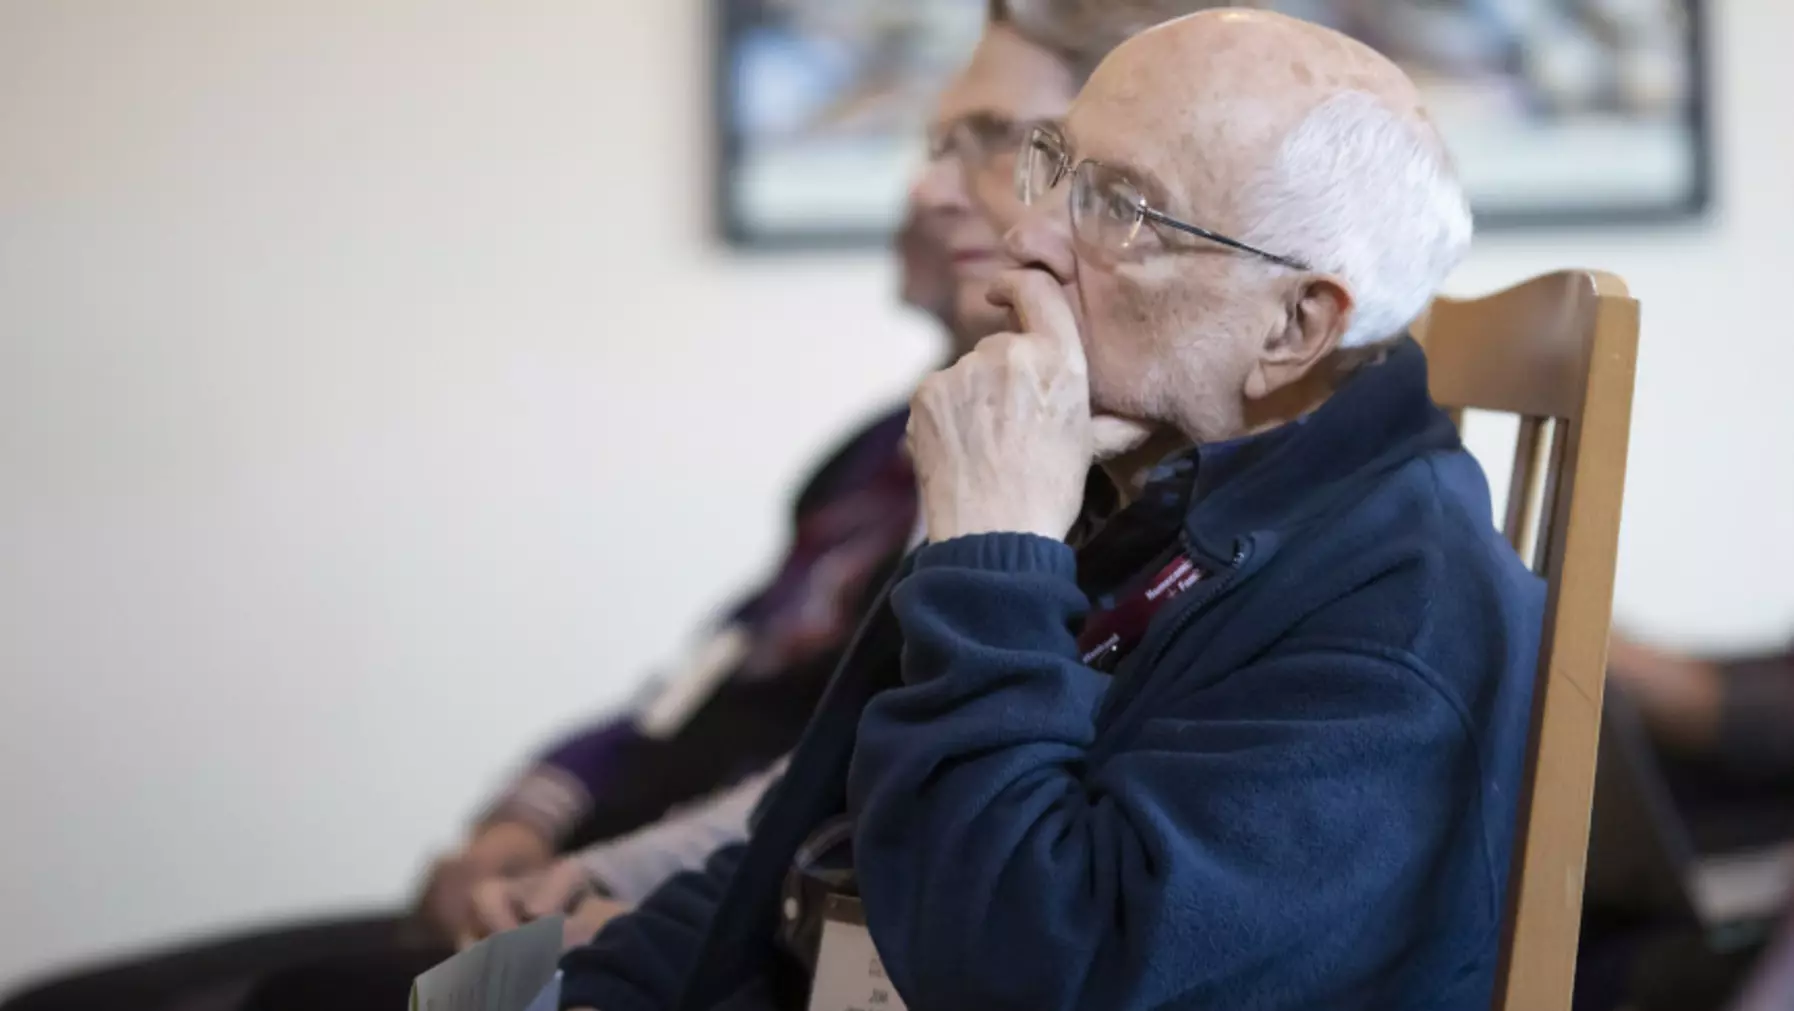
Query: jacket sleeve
x=641 y=961
x=557 y=790
x=1003 y=865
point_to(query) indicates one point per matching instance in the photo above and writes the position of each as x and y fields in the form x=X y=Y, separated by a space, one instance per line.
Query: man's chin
x=1114 y=437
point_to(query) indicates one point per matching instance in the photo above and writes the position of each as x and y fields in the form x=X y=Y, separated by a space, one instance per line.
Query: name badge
x=690 y=686
x=849 y=974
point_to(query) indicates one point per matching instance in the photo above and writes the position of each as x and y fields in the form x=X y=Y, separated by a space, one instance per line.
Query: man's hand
x=500 y=904
x=500 y=849
x=1003 y=439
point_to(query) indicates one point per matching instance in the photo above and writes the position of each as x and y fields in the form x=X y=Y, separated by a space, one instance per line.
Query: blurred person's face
x=927 y=281
x=966 y=196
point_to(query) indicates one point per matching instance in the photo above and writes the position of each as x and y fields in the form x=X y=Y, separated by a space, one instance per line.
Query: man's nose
x=1042 y=240
x=941 y=187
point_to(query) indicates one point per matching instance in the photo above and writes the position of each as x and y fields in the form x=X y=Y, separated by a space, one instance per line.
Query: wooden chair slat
x=1560 y=351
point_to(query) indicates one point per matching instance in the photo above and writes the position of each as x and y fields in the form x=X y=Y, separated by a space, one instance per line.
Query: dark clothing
x=850 y=526
x=1756 y=731
x=372 y=980
x=215 y=975
x=1736 y=798
x=1297 y=792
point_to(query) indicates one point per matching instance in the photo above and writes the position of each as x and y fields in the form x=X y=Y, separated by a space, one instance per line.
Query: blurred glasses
x=1108 y=212
x=981 y=142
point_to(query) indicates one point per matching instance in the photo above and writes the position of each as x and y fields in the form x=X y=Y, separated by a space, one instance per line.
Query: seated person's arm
x=1756 y=723
x=1003 y=865
x=560 y=785
x=530 y=820
x=518 y=833
x=640 y=961
x=1738 y=712
x=497 y=848
x=629 y=868
x=605 y=878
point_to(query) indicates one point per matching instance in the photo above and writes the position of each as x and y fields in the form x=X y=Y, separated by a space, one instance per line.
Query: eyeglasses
x=1107 y=209
x=978 y=139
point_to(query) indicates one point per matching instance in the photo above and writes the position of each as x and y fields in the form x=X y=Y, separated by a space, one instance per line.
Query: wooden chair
x=1558 y=351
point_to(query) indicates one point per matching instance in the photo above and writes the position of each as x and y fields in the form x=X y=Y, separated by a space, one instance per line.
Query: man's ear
x=1312 y=329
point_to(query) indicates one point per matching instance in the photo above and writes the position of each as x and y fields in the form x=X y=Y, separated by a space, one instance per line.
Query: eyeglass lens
x=1106 y=210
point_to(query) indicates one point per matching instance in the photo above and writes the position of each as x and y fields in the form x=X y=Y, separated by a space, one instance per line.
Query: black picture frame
x=737 y=229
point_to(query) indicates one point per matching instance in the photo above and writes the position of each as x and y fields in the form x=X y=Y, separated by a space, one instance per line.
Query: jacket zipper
x=1195 y=603
x=1241 y=550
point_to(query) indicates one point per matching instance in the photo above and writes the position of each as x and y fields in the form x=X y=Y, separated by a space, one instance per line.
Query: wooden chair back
x=1559 y=351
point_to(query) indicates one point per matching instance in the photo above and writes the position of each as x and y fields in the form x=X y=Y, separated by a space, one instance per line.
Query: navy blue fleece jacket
x=1297 y=792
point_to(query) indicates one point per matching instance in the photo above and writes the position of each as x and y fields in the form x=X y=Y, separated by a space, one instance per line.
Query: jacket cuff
x=548 y=799
x=1005 y=552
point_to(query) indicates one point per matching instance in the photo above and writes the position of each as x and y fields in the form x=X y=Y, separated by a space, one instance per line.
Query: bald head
x=1083 y=32
x=1265 y=50
x=1228 y=87
x=1297 y=201
x=1296 y=138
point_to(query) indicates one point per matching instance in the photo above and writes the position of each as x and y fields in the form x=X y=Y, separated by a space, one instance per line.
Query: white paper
x=505 y=972
x=692 y=684
x=849 y=974
x=550 y=997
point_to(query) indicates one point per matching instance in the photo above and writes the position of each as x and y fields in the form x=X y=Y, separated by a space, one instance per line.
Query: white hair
x=1359 y=192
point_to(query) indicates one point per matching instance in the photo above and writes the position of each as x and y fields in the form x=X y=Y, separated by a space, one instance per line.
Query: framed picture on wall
x=821 y=108
x=1558 y=112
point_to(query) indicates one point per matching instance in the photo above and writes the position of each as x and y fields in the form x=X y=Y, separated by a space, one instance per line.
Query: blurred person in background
x=1295 y=793
x=1723 y=730
x=1733 y=715
x=737 y=706
x=611 y=778
x=591 y=888
x=958 y=210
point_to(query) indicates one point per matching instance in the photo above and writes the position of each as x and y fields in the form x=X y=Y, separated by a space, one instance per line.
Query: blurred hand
x=500 y=849
x=509 y=848
x=1680 y=697
x=500 y=904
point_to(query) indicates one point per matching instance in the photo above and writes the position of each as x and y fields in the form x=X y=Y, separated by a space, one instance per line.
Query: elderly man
x=1240 y=726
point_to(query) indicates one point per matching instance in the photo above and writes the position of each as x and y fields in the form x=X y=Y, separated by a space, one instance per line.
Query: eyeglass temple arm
x=1197 y=230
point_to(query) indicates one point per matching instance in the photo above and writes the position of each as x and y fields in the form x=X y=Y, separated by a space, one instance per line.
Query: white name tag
x=690 y=685
x=849 y=974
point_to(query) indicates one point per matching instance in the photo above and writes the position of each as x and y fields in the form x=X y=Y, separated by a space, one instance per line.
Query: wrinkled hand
x=1003 y=440
x=501 y=904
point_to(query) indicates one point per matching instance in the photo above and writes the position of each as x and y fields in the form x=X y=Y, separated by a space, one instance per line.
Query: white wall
x=336 y=338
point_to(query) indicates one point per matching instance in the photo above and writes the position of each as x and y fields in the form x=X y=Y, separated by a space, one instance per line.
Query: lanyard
x=1111 y=631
